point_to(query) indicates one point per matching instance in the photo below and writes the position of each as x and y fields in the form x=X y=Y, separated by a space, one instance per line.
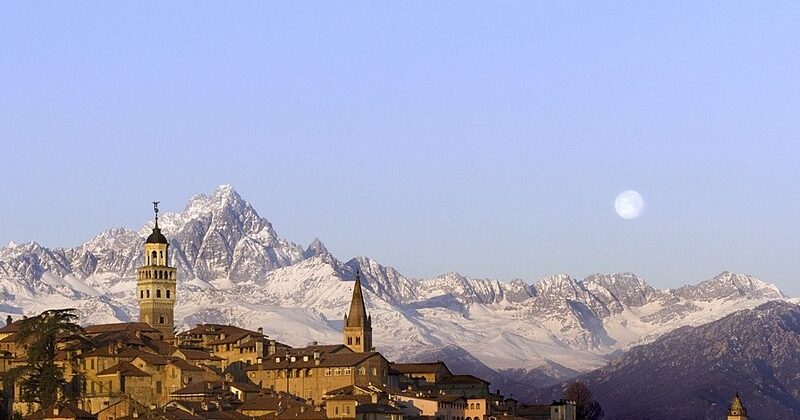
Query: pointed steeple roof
x=357 y=317
x=737 y=408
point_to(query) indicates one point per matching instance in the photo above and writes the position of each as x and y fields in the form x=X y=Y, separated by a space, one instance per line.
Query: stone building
x=156 y=284
x=357 y=324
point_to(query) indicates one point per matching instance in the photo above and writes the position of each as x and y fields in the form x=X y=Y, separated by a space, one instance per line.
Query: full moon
x=629 y=204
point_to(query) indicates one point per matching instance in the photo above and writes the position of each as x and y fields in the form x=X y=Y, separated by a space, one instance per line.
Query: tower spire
x=357 y=324
x=155 y=208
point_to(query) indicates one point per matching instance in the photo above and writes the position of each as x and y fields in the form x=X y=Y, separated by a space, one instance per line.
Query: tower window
x=168 y=293
x=158 y=293
x=358 y=341
x=141 y=294
x=161 y=319
x=154 y=255
x=349 y=341
x=148 y=293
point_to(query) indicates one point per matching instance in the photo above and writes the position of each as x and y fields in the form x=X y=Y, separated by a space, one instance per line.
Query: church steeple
x=357 y=324
x=737 y=410
x=156 y=283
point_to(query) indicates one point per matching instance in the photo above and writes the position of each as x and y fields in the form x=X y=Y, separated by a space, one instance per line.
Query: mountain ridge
x=234 y=267
x=693 y=372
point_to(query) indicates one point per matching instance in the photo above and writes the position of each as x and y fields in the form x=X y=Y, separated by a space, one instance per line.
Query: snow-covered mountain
x=234 y=268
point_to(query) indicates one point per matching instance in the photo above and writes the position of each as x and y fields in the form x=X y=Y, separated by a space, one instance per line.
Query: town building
x=145 y=369
x=156 y=284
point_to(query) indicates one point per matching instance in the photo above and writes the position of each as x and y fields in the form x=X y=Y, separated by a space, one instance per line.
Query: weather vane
x=155 y=207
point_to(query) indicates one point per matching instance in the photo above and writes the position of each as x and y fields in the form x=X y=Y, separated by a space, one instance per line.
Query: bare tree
x=585 y=406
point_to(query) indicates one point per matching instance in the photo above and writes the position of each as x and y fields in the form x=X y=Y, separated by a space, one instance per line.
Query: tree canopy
x=41 y=380
x=585 y=406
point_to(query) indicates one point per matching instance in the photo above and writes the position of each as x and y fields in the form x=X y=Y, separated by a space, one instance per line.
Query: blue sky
x=484 y=138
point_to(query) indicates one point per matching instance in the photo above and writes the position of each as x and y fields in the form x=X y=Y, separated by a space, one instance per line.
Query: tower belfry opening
x=156 y=283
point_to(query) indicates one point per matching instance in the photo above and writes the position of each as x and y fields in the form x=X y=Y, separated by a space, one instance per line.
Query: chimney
x=9 y=320
x=316 y=355
x=261 y=330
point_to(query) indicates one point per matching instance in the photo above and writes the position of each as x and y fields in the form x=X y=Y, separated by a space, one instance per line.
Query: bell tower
x=737 y=410
x=357 y=324
x=155 y=283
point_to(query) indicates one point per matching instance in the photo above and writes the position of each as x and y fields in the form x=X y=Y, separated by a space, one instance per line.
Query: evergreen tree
x=585 y=406
x=41 y=380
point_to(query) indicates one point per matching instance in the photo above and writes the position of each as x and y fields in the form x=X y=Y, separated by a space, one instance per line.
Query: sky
x=487 y=138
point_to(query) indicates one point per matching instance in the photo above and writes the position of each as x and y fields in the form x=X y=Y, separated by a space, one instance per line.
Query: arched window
x=358 y=341
x=161 y=319
x=153 y=255
x=471 y=406
x=349 y=341
x=148 y=293
x=141 y=294
x=158 y=293
x=168 y=293
x=478 y=406
x=161 y=254
x=362 y=370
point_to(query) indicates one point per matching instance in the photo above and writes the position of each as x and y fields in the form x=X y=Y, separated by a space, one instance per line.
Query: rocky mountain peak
x=316 y=247
x=732 y=286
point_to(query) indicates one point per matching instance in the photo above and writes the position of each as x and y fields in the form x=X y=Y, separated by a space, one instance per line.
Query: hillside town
x=145 y=369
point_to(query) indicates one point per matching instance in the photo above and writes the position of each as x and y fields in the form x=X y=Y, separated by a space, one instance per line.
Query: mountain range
x=234 y=268
x=693 y=372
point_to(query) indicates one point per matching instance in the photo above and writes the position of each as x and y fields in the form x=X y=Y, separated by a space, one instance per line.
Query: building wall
x=340 y=408
x=314 y=382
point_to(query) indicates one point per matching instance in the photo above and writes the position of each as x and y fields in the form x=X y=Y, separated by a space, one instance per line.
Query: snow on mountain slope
x=234 y=268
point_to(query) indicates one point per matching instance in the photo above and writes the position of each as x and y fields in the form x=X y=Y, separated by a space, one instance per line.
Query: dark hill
x=694 y=372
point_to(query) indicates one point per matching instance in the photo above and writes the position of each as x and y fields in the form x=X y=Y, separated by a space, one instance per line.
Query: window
x=148 y=293
x=362 y=370
x=328 y=372
x=336 y=410
x=358 y=341
x=91 y=363
x=141 y=294
x=347 y=410
x=168 y=293
x=349 y=341
x=374 y=371
x=158 y=387
x=478 y=406
x=161 y=319
x=153 y=255
x=348 y=371
x=158 y=293
x=337 y=371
